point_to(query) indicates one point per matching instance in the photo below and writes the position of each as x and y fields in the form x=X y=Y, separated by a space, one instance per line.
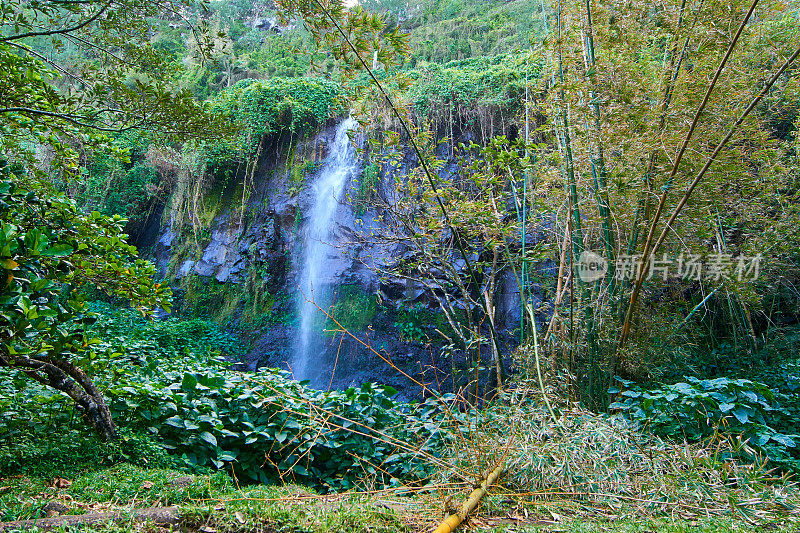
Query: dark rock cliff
x=265 y=238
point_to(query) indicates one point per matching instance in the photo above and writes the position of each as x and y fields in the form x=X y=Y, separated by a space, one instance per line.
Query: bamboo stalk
x=698 y=306
x=653 y=223
x=641 y=214
x=524 y=227
x=737 y=307
x=572 y=188
x=598 y=158
x=734 y=128
x=559 y=292
x=454 y=520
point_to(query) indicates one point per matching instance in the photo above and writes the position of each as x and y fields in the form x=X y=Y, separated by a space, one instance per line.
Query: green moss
x=247 y=306
x=258 y=302
x=366 y=188
x=354 y=308
x=297 y=170
x=209 y=299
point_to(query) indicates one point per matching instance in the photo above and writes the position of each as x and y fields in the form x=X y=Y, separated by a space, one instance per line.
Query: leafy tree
x=49 y=250
x=53 y=107
x=112 y=79
x=476 y=201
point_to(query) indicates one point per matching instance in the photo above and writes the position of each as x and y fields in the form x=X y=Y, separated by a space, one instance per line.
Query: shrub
x=696 y=409
x=67 y=450
x=265 y=427
x=125 y=331
x=113 y=188
x=419 y=324
x=469 y=91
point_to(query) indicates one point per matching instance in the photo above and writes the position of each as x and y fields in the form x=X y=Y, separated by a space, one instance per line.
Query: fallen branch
x=156 y=515
x=452 y=522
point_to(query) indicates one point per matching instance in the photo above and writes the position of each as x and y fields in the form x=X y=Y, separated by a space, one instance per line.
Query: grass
x=293 y=508
x=24 y=497
x=209 y=501
x=152 y=487
x=713 y=525
x=216 y=503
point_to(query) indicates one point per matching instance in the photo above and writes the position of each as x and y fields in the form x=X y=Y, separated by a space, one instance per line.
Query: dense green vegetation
x=165 y=383
x=505 y=141
x=296 y=106
x=451 y=30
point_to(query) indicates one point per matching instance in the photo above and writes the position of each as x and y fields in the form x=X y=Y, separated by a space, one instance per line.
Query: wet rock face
x=346 y=363
x=230 y=251
x=268 y=237
x=223 y=256
x=285 y=212
x=272 y=348
x=163 y=249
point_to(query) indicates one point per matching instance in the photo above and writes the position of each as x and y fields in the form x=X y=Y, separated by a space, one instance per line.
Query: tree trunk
x=497 y=358
x=65 y=377
x=488 y=294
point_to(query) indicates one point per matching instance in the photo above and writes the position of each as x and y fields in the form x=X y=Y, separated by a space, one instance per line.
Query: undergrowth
x=168 y=388
x=185 y=414
x=602 y=461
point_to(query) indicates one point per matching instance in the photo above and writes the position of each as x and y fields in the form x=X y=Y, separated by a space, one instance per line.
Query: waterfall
x=317 y=247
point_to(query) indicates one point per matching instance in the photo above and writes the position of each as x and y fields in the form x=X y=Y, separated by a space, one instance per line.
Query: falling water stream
x=317 y=247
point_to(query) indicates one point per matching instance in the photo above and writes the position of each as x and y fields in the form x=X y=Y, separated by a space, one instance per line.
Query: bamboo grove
x=657 y=114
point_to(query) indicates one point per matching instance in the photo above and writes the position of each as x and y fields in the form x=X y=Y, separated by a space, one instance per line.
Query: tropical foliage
x=260 y=427
x=510 y=148
x=49 y=250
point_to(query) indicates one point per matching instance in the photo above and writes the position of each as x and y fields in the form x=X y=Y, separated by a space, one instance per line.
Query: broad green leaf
x=742 y=414
x=58 y=250
x=209 y=438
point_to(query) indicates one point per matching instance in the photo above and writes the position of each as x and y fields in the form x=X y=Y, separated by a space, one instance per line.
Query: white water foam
x=329 y=187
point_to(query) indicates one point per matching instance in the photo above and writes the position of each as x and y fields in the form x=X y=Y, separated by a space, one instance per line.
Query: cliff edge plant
x=268 y=108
